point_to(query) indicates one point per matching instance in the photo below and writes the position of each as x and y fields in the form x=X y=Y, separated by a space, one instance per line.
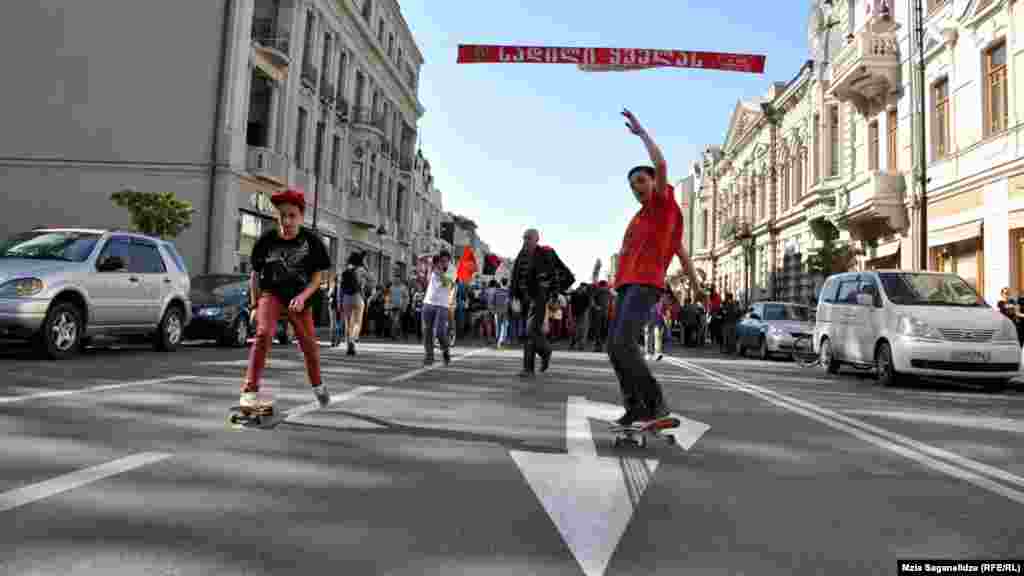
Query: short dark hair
x=504 y=281
x=444 y=254
x=649 y=170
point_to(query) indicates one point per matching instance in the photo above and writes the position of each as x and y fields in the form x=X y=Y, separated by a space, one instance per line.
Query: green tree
x=834 y=256
x=158 y=214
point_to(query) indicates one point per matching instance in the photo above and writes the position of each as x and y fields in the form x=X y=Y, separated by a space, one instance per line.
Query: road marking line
x=315 y=405
x=413 y=373
x=911 y=449
x=27 y=494
x=58 y=393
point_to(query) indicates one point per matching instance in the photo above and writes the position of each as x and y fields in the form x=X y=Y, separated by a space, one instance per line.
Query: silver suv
x=60 y=287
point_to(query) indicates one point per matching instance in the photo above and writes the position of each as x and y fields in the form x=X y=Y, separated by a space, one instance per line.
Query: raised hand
x=632 y=123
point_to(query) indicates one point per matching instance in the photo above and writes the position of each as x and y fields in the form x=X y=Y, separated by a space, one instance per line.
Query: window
x=784 y=182
x=144 y=258
x=335 y=147
x=940 y=121
x=873 y=151
x=853 y=140
x=367 y=9
x=357 y=180
x=763 y=201
x=117 y=247
x=300 y=139
x=848 y=290
x=318 y=155
x=704 y=227
x=816 y=145
x=892 y=150
x=380 y=191
x=996 y=93
x=798 y=177
x=380 y=31
x=833 y=140
x=391 y=44
x=342 y=62
x=307 y=49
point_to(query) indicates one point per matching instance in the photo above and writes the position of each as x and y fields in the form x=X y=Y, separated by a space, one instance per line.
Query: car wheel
x=61 y=335
x=885 y=372
x=828 y=360
x=168 y=334
x=763 y=351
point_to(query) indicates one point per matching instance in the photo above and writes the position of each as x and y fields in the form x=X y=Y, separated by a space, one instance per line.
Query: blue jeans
x=640 y=391
x=501 y=327
x=435 y=324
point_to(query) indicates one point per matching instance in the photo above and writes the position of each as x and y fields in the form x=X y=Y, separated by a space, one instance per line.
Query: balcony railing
x=269 y=34
x=265 y=163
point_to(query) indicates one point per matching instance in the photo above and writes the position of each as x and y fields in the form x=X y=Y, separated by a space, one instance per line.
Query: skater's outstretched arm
x=660 y=166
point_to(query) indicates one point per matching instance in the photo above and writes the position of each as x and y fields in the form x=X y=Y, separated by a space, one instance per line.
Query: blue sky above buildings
x=514 y=146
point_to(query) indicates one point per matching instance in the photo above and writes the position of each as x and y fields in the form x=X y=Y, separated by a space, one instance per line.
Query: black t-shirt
x=285 y=267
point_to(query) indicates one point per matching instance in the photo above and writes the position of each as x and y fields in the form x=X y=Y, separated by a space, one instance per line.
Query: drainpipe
x=218 y=117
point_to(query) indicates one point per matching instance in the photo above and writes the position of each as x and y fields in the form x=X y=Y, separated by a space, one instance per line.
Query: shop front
x=960 y=250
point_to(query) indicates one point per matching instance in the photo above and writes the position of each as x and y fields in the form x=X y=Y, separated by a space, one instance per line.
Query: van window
x=868 y=285
x=828 y=292
x=848 y=290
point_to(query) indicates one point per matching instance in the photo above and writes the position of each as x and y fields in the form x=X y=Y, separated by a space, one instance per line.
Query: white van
x=913 y=323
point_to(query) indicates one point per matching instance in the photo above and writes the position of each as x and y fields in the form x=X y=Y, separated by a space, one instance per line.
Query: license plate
x=971 y=356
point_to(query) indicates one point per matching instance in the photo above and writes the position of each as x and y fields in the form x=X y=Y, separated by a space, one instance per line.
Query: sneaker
x=447 y=357
x=545 y=361
x=428 y=361
x=527 y=374
x=351 y=349
x=322 y=396
x=631 y=417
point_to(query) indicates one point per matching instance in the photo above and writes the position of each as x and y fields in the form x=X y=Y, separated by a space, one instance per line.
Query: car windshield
x=910 y=289
x=787 y=312
x=218 y=285
x=50 y=245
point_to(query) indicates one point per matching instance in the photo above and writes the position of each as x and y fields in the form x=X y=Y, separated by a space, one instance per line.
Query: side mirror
x=111 y=264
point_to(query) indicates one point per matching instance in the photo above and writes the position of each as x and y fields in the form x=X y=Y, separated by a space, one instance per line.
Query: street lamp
x=381 y=232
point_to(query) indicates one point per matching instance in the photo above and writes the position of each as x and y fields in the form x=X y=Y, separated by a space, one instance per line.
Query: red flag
x=467 y=265
x=610 y=58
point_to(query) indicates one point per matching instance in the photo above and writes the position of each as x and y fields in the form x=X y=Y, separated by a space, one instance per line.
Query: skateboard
x=241 y=416
x=636 y=434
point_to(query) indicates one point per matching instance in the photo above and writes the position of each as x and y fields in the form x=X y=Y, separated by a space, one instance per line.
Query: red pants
x=267 y=314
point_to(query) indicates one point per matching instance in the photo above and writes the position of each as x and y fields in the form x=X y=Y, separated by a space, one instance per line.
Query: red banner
x=614 y=57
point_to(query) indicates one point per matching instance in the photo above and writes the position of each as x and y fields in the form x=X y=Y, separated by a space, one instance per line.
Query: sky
x=517 y=146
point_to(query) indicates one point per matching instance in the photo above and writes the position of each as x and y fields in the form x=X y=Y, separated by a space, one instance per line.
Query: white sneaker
x=251 y=400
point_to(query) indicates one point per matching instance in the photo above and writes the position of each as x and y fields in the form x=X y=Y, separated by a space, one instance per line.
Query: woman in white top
x=435 y=308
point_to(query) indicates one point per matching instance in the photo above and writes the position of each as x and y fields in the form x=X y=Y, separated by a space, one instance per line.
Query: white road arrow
x=591 y=499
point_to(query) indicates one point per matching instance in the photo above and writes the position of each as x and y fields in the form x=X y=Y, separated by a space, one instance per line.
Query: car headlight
x=21 y=288
x=1007 y=331
x=917 y=328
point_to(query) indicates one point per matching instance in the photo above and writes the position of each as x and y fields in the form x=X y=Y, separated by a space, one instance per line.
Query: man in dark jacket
x=537 y=275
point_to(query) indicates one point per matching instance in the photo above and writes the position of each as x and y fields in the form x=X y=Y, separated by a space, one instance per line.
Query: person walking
x=436 y=306
x=653 y=238
x=537 y=276
x=353 y=284
x=287 y=265
x=398 y=301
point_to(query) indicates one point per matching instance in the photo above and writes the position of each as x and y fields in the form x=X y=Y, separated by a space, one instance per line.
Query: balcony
x=875 y=208
x=309 y=75
x=266 y=164
x=867 y=69
x=272 y=41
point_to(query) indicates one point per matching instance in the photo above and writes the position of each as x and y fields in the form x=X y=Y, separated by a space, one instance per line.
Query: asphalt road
x=122 y=462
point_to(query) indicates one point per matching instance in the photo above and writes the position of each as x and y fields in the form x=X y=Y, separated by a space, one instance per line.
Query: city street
x=121 y=461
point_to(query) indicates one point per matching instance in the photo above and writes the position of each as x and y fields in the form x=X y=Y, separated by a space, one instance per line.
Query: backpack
x=349 y=282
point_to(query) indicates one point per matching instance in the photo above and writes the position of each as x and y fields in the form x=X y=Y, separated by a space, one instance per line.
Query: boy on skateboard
x=287 y=264
x=654 y=236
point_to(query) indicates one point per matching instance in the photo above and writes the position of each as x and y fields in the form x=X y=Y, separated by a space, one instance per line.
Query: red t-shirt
x=651 y=240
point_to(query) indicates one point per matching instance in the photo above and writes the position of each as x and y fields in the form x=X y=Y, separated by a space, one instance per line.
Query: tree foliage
x=159 y=214
x=834 y=256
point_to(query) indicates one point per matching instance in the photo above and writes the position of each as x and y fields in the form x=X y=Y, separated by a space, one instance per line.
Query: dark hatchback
x=220 y=309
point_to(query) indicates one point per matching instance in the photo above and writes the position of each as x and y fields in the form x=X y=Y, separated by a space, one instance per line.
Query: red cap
x=291 y=196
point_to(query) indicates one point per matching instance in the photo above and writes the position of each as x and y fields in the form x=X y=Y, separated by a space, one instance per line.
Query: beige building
x=836 y=144
x=222 y=102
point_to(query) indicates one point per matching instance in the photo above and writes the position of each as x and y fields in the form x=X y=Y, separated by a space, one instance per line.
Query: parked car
x=220 y=309
x=60 y=287
x=904 y=324
x=771 y=327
